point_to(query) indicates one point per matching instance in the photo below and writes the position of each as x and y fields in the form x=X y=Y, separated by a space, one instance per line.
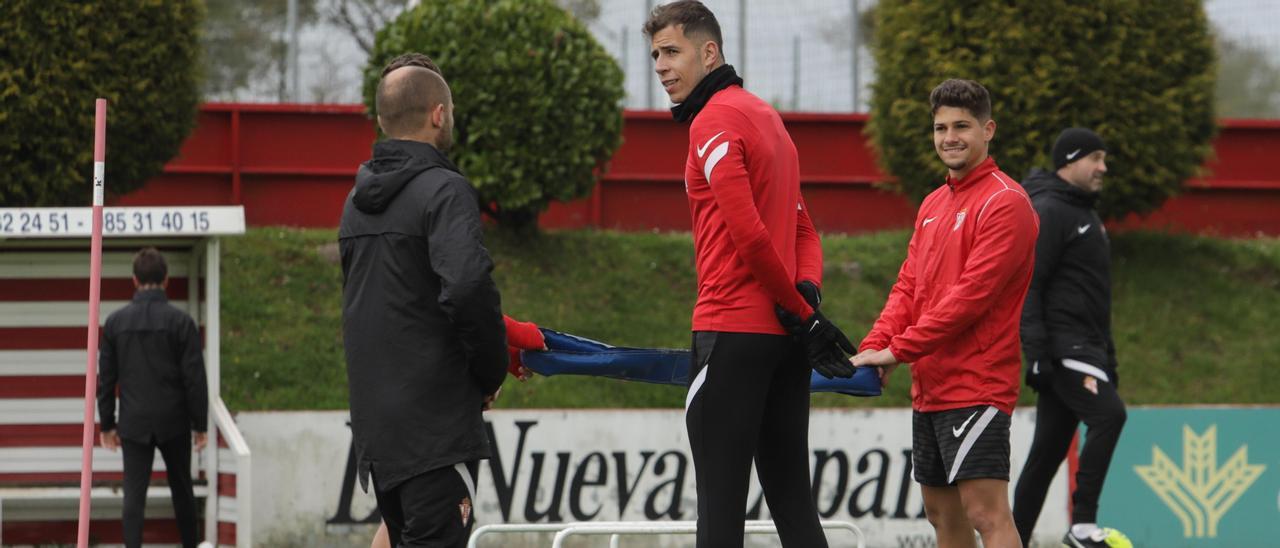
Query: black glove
x=1039 y=373
x=810 y=292
x=831 y=363
x=825 y=345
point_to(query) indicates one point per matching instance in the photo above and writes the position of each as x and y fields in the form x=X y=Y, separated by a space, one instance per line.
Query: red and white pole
x=95 y=296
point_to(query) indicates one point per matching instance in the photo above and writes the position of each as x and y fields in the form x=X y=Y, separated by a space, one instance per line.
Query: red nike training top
x=753 y=238
x=954 y=312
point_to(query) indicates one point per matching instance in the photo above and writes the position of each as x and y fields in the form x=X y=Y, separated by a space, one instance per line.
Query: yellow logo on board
x=1199 y=492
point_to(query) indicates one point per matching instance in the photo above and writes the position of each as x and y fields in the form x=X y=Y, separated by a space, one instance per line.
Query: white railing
x=616 y=529
x=242 y=511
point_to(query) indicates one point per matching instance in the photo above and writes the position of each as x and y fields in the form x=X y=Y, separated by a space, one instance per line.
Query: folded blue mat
x=572 y=355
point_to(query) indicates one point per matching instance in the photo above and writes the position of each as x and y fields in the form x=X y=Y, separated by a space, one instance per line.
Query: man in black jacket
x=421 y=318
x=1066 y=337
x=152 y=351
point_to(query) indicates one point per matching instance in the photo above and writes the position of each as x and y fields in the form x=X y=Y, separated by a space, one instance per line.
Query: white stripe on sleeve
x=1091 y=370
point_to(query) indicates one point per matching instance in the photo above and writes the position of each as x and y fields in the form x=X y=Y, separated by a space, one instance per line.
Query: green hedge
x=537 y=100
x=1140 y=73
x=57 y=57
x=1194 y=317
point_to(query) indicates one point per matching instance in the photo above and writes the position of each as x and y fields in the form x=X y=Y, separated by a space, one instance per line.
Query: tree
x=246 y=46
x=1139 y=73
x=363 y=18
x=537 y=100
x=141 y=55
x=1248 y=80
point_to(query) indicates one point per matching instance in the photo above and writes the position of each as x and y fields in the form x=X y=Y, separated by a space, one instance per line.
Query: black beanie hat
x=1073 y=144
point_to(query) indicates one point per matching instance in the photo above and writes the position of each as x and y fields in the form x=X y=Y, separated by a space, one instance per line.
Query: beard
x=444 y=140
x=951 y=161
x=955 y=163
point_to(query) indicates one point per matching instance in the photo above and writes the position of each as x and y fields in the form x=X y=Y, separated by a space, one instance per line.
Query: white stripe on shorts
x=461 y=467
x=969 y=440
x=1091 y=370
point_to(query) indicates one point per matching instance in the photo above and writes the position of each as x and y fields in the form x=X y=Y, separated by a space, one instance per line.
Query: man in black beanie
x=1066 y=338
x=1076 y=144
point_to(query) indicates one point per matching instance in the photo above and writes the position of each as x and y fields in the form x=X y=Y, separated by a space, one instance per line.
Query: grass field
x=1195 y=317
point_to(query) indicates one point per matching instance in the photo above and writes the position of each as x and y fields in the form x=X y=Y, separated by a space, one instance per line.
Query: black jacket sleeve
x=108 y=375
x=194 y=382
x=1036 y=343
x=1111 y=361
x=468 y=294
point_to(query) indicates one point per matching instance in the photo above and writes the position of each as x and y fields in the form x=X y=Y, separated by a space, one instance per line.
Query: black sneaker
x=1104 y=537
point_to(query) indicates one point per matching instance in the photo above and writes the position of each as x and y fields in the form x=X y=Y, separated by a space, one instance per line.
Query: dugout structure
x=44 y=288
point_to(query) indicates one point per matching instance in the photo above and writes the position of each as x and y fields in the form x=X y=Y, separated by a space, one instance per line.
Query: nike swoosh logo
x=1082 y=229
x=956 y=431
x=1072 y=156
x=927 y=221
x=703 y=149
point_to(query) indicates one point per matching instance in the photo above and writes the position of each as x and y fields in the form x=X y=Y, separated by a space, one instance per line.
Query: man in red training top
x=954 y=314
x=755 y=249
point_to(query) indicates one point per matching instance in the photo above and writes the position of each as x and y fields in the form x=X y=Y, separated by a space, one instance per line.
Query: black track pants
x=749 y=399
x=138 y=459
x=432 y=509
x=1059 y=411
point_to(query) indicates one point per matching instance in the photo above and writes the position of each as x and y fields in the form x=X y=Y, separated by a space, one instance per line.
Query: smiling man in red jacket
x=954 y=314
x=756 y=249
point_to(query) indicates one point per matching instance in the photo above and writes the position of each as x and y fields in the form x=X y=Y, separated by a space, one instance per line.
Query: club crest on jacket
x=960 y=218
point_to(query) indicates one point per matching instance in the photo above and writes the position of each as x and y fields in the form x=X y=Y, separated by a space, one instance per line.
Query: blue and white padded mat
x=572 y=355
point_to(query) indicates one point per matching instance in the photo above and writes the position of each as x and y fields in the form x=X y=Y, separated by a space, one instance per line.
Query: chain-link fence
x=800 y=55
x=807 y=55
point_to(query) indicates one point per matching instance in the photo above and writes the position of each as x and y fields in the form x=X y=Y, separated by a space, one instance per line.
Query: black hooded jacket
x=1067 y=314
x=421 y=318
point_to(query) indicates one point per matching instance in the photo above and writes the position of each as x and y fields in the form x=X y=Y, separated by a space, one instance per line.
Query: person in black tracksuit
x=422 y=322
x=1066 y=338
x=152 y=351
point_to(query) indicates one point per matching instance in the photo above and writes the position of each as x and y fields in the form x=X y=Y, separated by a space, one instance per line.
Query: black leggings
x=1059 y=411
x=749 y=399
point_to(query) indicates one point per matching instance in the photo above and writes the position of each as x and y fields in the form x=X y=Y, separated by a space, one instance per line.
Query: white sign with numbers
x=72 y=222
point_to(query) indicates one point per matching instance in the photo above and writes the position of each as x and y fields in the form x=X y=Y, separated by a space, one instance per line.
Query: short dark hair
x=404 y=101
x=149 y=266
x=965 y=94
x=411 y=59
x=693 y=18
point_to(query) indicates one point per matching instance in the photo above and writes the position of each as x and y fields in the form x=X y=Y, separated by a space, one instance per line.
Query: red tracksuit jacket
x=955 y=309
x=753 y=239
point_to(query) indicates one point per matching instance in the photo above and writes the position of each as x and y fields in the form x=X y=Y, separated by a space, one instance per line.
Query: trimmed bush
x=537 y=101
x=1139 y=73
x=141 y=55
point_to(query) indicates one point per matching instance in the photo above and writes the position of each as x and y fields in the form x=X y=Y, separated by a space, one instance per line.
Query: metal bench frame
x=617 y=529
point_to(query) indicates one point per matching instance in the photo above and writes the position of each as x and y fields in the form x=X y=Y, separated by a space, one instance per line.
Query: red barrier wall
x=293 y=164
